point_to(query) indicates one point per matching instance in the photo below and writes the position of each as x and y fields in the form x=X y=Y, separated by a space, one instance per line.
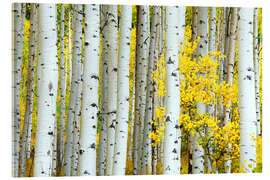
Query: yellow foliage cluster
x=159 y=76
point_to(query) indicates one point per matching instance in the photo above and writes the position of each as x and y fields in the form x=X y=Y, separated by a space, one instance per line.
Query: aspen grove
x=135 y=90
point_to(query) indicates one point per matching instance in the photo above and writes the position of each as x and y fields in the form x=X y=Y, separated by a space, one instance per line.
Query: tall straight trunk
x=256 y=70
x=112 y=85
x=198 y=152
x=172 y=135
x=230 y=72
x=142 y=50
x=46 y=118
x=226 y=27
x=27 y=126
x=61 y=135
x=147 y=151
x=18 y=37
x=70 y=46
x=122 y=116
x=87 y=157
x=76 y=78
x=194 y=55
x=211 y=105
x=246 y=93
x=104 y=106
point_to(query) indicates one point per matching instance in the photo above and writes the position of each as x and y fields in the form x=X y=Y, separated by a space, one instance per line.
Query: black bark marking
x=170 y=61
x=94 y=105
x=93 y=146
x=95 y=77
x=174 y=151
x=50 y=133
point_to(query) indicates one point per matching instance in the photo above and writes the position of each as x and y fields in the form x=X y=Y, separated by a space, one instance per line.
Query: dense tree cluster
x=133 y=90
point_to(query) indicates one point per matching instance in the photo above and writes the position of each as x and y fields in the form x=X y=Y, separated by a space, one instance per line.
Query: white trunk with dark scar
x=202 y=49
x=230 y=71
x=87 y=156
x=122 y=116
x=112 y=85
x=212 y=48
x=246 y=93
x=76 y=78
x=62 y=129
x=46 y=117
x=143 y=54
x=172 y=135
x=27 y=126
x=18 y=37
x=256 y=69
x=104 y=89
x=147 y=150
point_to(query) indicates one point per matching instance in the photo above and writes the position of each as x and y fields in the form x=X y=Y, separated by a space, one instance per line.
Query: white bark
x=202 y=50
x=76 y=78
x=104 y=89
x=230 y=71
x=143 y=54
x=112 y=85
x=211 y=105
x=87 y=157
x=62 y=127
x=46 y=118
x=246 y=93
x=257 y=74
x=172 y=135
x=122 y=115
x=18 y=36
x=27 y=126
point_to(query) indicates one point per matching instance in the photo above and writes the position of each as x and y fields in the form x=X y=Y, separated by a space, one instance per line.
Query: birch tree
x=104 y=89
x=87 y=157
x=122 y=115
x=172 y=142
x=18 y=37
x=112 y=85
x=246 y=92
x=256 y=70
x=142 y=50
x=27 y=125
x=46 y=118
x=62 y=90
x=76 y=78
x=198 y=152
x=230 y=71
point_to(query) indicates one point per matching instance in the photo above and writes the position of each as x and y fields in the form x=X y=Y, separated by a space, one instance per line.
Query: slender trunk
x=172 y=135
x=90 y=92
x=211 y=105
x=112 y=85
x=27 y=126
x=198 y=152
x=246 y=93
x=104 y=106
x=61 y=136
x=46 y=118
x=18 y=37
x=122 y=116
x=76 y=78
x=257 y=74
x=230 y=73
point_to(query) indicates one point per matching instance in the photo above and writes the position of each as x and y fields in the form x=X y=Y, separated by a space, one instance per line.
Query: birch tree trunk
x=257 y=74
x=46 y=118
x=211 y=105
x=61 y=136
x=172 y=135
x=143 y=54
x=27 y=126
x=230 y=72
x=122 y=116
x=87 y=157
x=246 y=93
x=18 y=37
x=198 y=152
x=76 y=78
x=112 y=85
x=104 y=106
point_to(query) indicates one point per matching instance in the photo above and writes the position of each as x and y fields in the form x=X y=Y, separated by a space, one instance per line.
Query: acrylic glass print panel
x=136 y=90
